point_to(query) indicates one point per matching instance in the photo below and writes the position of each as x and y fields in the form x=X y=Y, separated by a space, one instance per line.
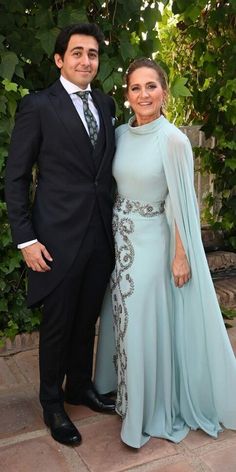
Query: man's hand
x=35 y=255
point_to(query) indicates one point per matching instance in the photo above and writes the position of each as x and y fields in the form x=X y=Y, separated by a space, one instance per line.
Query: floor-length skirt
x=166 y=382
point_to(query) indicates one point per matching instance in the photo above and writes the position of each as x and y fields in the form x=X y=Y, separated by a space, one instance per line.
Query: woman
x=175 y=366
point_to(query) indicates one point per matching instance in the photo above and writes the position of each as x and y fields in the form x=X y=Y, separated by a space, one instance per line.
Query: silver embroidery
x=134 y=206
x=122 y=284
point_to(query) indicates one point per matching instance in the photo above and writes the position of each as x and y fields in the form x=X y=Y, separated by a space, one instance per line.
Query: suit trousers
x=70 y=313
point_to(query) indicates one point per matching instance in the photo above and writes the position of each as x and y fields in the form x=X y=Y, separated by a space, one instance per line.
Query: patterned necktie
x=90 y=120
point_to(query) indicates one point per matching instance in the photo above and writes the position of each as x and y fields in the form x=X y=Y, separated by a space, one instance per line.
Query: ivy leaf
x=178 y=88
x=127 y=50
x=108 y=84
x=8 y=64
x=231 y=112
x=231 y=163
x=117 y=78
x=2 y=38
x=68 y=15
x=3 y=305
x=23 y=91
x=105 y=69
x=193 y=12
x=12 y=105
x=44 y=19
x=6 y=238
x=3 y=101
x=156 y=44
x=150 y=17
x=233 y=241
x=10 y=86
x=47 y=40
x=19 y=71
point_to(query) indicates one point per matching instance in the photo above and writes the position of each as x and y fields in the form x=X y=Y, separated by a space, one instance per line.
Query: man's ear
x=58 y=60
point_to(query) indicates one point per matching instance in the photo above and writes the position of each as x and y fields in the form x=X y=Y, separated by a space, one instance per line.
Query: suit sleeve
x=112 y=106
x=23 y=153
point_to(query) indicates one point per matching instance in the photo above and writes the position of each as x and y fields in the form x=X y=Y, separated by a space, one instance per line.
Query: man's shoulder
x=103 y=96
x=39 y=96
x=52 y=88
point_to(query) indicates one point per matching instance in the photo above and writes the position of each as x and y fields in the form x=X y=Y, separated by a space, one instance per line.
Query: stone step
x=226 y=292
x=222 y=265
x=221 y=261
x=212 y=240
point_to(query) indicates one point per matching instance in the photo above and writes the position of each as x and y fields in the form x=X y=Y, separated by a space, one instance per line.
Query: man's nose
x=85 y=60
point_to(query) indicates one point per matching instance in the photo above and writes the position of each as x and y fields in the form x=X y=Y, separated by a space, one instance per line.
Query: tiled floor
x=26 y=445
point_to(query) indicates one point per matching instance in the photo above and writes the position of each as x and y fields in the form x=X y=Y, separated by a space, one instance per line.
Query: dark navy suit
x=71 y=216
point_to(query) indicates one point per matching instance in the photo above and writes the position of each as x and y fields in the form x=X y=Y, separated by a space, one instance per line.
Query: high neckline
x=147 y=128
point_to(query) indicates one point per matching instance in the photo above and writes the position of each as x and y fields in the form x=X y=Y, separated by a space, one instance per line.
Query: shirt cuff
x=28 y=243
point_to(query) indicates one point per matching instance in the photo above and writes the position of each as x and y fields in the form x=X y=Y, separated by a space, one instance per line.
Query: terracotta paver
x=232 y=331
x=180 y=466
x=233 y=342
x=7 y=377
x=35 y=455
x=197 y=439
x=103 y=451
x=223 y=460
x=26 y=444
x=79 y=412
x=18 y=413
x=28 y=364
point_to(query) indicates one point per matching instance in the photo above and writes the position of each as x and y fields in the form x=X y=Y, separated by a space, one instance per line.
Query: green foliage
x=228 y=314
x=202 y=56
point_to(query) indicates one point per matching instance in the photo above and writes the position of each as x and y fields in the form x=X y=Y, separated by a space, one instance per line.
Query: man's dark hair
x=89 y=29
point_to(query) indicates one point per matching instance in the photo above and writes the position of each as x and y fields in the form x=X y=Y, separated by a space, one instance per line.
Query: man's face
x=80 y=62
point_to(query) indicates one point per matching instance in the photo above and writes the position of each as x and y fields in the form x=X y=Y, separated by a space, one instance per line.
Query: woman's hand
x=180 y=266
x=181 y=270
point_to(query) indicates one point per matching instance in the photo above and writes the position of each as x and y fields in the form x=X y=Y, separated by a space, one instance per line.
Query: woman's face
x=145 y=94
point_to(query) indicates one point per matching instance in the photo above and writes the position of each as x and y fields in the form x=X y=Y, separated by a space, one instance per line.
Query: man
x=66 y=239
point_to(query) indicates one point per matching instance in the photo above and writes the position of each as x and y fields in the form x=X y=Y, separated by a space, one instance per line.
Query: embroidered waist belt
x=134 y=206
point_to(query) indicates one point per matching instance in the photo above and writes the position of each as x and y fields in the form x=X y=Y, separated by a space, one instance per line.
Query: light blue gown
x=164 y=349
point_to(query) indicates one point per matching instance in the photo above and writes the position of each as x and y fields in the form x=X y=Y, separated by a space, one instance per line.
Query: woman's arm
x=180 y=266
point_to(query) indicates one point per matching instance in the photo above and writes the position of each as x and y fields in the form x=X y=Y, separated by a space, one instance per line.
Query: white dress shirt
x=71 y=89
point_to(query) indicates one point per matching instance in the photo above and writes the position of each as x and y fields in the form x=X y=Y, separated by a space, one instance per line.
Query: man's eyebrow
x=80 y=48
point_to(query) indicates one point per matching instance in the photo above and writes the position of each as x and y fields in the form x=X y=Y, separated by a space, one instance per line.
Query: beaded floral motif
x=122 y=286
x=133 y=206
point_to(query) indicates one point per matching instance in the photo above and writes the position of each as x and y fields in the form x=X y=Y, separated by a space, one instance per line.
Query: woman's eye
x=152 y=86
x=134 y=89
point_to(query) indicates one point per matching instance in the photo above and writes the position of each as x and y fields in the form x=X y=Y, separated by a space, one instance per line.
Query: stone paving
x=26 y=445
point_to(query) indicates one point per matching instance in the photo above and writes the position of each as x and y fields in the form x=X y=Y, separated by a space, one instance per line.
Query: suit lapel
x=106 y=118
x=70 y=119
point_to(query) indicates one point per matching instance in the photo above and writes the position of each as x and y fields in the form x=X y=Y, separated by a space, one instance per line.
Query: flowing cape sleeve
x=205 y=364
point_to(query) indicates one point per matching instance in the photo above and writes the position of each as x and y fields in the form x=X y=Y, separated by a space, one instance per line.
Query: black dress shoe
x=61 y=427
x=92 y=399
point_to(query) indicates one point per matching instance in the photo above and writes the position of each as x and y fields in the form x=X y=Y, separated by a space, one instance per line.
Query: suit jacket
x=73 y=179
